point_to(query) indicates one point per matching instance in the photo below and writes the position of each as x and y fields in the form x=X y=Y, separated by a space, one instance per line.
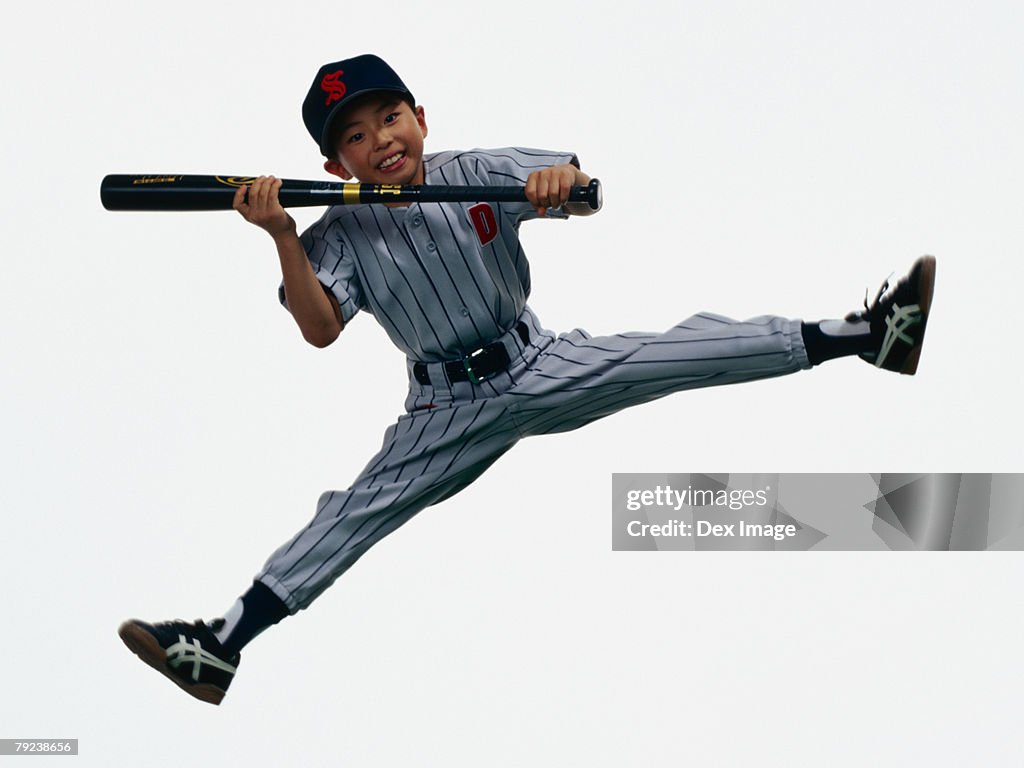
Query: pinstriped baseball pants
x=451 y=433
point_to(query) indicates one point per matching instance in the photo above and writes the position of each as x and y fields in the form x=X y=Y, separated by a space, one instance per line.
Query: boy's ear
x=421 y=120
x=337 y=169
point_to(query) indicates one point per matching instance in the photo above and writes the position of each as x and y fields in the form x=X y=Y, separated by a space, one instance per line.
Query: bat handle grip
x=590 y=194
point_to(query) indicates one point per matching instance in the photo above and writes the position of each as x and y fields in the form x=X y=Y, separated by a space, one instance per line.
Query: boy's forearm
x=313 y=311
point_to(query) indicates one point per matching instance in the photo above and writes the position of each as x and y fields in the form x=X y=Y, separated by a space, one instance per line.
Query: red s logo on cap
x=331 y=84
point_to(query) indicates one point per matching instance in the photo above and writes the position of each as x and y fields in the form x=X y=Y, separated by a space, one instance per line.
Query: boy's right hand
x=262 y=207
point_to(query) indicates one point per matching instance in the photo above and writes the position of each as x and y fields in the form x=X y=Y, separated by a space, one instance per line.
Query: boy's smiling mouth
x=391 y=161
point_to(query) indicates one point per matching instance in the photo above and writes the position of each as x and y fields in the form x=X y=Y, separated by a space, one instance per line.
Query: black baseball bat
x=155 y=192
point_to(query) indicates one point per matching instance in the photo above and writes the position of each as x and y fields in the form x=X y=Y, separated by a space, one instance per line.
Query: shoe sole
x=926 y=287
x=145 y=646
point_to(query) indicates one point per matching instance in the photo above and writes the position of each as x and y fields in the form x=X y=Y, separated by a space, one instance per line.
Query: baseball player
x=449 y=283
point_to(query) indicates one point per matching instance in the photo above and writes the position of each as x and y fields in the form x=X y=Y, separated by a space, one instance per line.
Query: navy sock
x=259 y=608
x=848 y=339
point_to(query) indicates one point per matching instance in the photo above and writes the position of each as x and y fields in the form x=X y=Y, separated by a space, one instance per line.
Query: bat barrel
x=121 y=192
x=174 y=192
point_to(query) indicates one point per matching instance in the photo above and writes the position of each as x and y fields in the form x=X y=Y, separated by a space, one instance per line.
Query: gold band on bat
x=350 y=194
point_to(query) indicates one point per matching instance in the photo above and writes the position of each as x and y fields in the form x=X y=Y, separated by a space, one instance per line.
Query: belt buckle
x=469 y=368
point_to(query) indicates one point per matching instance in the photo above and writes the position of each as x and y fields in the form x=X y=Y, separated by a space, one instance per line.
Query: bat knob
x=590 y=194
x=594 y=197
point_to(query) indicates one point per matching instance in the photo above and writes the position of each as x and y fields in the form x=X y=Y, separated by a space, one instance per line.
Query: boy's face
x=380 y=141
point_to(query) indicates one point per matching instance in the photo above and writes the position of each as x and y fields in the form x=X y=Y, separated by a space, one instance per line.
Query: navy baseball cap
x=337 y=84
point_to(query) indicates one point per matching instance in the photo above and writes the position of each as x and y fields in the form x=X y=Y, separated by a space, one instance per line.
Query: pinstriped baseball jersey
x=442 y=280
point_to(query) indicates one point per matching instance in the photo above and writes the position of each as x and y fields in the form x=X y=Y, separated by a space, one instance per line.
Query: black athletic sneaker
x=898 y=317
x=188 y=654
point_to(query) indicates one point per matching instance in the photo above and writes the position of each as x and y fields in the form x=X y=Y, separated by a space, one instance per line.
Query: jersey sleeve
x=511 y=167
x=332 y=261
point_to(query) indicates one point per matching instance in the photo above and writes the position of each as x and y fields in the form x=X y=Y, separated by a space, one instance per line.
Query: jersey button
x=465 y=312
x=431 y=247
x=417 y=221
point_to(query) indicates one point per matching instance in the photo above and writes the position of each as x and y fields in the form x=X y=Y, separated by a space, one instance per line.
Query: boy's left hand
x=550 y=187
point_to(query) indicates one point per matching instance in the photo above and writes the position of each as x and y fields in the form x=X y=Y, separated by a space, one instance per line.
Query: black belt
x=477 y=366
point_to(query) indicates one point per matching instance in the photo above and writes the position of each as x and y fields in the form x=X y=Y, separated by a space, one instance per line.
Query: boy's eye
x=354 y=138
x=391 y=117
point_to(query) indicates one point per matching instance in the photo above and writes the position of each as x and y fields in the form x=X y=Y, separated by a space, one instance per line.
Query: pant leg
x=578 y=379
x=427 y=456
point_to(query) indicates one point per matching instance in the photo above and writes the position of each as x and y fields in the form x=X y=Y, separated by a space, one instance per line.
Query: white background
x=164 y=427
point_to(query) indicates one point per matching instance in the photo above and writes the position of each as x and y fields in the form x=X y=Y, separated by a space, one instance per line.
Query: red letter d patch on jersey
x=486 y=226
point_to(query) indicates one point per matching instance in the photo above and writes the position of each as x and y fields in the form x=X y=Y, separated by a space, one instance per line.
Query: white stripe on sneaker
x=896 y=326
x=186 y=652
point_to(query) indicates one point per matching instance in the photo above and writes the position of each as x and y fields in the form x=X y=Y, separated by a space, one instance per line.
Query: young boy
x=449 y=283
